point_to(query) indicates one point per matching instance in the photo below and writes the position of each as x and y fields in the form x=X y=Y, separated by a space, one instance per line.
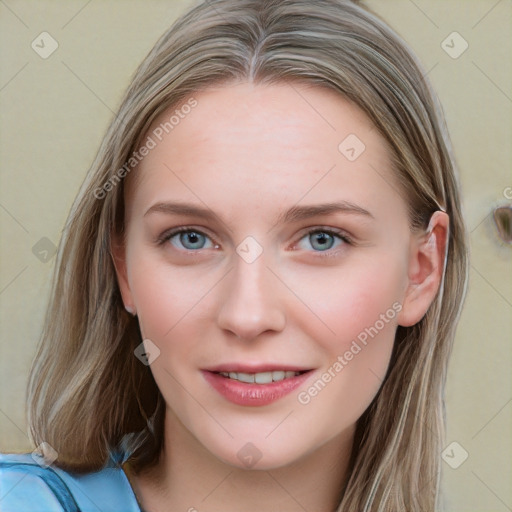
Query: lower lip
x=243 y=393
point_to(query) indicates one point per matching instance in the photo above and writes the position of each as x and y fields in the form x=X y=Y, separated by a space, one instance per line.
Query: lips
x=257 y=384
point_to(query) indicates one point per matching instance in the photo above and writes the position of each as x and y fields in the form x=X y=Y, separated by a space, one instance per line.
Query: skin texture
x=249 y=153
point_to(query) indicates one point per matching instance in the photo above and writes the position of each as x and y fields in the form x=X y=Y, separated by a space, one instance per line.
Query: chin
x=257 y=454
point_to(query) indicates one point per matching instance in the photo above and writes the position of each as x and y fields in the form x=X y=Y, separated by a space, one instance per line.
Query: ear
x=118 y=253
x=427 y=260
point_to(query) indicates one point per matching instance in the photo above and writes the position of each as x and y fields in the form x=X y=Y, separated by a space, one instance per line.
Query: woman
x=258 y=287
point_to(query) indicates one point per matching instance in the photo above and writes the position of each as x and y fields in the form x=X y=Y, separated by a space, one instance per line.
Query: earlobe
x=118 y=254
x=130 y=310
x=426 y=269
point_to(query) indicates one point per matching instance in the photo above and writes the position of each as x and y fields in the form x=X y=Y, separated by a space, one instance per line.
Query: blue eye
x=319 y=240
x=322 y=240
x=190 y=239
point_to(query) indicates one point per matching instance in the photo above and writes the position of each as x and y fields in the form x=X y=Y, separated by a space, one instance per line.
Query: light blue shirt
x=26 y=485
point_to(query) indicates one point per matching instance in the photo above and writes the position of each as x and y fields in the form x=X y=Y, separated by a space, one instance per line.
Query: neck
x=189 y=478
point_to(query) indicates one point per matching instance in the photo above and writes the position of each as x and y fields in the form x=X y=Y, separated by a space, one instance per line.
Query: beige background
x=55 y=111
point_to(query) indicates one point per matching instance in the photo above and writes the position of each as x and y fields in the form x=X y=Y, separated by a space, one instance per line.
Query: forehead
x=261 y=145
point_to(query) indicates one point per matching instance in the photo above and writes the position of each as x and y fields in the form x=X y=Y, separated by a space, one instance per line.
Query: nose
x=251 y=302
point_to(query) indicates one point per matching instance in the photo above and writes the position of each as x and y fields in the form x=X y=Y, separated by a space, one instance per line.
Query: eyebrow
x=294 y=214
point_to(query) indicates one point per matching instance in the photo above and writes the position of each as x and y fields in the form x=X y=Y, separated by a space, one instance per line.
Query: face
x=265 y=234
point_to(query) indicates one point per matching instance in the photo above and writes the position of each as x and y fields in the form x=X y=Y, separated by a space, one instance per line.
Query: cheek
x=168 y=299
x=172 y=308
x=356 y=302
x=362 y=311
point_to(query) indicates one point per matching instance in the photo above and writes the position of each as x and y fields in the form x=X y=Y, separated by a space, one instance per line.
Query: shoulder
x=27 y=484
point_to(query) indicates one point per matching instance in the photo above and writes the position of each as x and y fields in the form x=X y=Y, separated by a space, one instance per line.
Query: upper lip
x=256 y=368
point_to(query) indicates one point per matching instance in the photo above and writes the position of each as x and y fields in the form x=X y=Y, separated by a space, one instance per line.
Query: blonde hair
x=88 y=394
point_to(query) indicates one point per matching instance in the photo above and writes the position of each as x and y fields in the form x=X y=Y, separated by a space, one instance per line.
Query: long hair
x=87 y=392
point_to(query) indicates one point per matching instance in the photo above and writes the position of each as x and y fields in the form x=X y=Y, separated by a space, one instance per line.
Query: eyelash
x=167 y=235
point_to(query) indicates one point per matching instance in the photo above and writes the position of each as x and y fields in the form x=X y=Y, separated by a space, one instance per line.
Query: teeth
x=260 y=378
x=263 y=378
x=279 y=375
x=245 y=377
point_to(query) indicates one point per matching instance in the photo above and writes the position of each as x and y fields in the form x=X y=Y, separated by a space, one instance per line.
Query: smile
x=260 y=378
x=255 y=389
